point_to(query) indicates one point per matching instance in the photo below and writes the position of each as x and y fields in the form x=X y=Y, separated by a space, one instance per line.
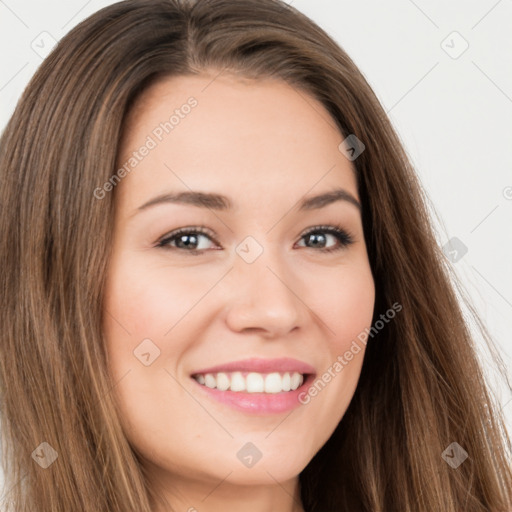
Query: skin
x=265 y=146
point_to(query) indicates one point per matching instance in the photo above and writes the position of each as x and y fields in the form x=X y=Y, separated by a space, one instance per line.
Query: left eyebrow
x=221 y=202
x=321 y=200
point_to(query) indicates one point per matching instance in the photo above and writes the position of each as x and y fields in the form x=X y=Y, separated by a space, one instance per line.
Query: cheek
x=142 y=305
x=148 y=302
x=345 y=304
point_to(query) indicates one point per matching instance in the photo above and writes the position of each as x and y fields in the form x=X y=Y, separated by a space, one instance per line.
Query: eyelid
x=344 y=237
x=188 y=229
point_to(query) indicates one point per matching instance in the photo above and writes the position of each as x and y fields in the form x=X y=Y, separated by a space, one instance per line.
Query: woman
x=221 y=286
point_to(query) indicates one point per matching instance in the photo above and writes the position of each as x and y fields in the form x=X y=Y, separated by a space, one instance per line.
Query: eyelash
x=344 y=238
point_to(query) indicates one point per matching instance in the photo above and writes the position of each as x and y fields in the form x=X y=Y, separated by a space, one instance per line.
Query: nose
x=264 y=297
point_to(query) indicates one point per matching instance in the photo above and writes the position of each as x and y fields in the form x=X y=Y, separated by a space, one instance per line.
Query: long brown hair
x=421 y=386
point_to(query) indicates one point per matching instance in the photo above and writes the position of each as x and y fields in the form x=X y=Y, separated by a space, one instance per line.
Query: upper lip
x=283 y=364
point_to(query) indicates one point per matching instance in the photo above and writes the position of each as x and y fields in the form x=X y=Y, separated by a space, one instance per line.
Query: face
x=261 y=275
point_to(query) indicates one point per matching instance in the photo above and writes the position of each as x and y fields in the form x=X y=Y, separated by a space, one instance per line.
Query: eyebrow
x=222 y=203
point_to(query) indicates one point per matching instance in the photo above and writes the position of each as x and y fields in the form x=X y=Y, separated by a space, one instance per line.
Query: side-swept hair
x=421 y=385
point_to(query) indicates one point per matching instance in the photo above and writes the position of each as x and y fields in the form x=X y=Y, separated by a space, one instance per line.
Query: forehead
x=241 y=135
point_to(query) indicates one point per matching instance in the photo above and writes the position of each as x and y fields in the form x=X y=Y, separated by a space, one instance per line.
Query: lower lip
x=259 y=403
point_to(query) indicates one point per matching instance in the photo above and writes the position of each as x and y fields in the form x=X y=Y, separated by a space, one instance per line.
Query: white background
x=453 y=113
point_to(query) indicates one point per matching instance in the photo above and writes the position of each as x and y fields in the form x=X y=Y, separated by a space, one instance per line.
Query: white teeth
x=286 y=382
x=273 y=383
x=252 y=383
x=255 y=383
x=210 y=381
x=296 y=380
x=237 y=382
x=222 y=381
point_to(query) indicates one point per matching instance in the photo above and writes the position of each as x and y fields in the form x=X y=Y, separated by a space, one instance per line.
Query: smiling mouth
x=252 y=382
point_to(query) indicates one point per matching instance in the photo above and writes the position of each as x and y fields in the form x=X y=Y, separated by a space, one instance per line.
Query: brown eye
x=188 y=239
x=319 y=238
x=195 y=240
